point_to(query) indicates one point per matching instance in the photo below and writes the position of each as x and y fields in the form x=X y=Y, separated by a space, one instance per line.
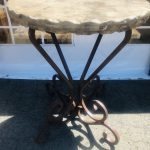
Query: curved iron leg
x=110 y=57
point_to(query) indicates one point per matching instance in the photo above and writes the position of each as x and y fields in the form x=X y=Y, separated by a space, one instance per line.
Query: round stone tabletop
x=80 y=16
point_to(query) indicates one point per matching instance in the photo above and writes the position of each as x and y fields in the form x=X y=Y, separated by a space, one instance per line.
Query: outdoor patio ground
x=24 y=103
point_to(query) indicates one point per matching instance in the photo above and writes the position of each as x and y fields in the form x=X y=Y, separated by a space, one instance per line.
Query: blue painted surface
x=24 y=62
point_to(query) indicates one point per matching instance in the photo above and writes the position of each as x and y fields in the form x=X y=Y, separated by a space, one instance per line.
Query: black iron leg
x=73 y=100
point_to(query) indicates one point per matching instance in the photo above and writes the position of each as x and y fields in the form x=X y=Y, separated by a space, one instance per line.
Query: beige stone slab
x=80 y=16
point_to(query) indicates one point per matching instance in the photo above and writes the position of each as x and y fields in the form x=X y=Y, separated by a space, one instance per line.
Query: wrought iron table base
x=73 y=100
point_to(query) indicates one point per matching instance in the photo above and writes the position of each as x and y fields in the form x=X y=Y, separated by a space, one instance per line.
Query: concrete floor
x=23 y=106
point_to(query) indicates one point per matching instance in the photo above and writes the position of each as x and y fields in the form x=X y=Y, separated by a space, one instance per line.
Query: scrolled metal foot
x=93 y=118
x=90 y=118
x=114 y=132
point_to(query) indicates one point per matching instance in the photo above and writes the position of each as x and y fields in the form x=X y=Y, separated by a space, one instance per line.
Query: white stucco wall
x=24 y=62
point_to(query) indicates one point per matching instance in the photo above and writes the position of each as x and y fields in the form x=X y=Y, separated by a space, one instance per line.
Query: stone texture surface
x=80 y=16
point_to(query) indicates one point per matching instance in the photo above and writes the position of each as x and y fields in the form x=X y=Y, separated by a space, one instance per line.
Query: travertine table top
x=80 y=16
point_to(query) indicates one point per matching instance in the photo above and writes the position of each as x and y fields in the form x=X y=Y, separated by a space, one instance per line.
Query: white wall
x=24 y=62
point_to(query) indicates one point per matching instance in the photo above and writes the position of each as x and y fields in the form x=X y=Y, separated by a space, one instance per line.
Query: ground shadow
x=26 y=103
x=128 y=96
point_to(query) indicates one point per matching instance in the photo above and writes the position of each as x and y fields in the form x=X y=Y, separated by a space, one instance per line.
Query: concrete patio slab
x=23 y=105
